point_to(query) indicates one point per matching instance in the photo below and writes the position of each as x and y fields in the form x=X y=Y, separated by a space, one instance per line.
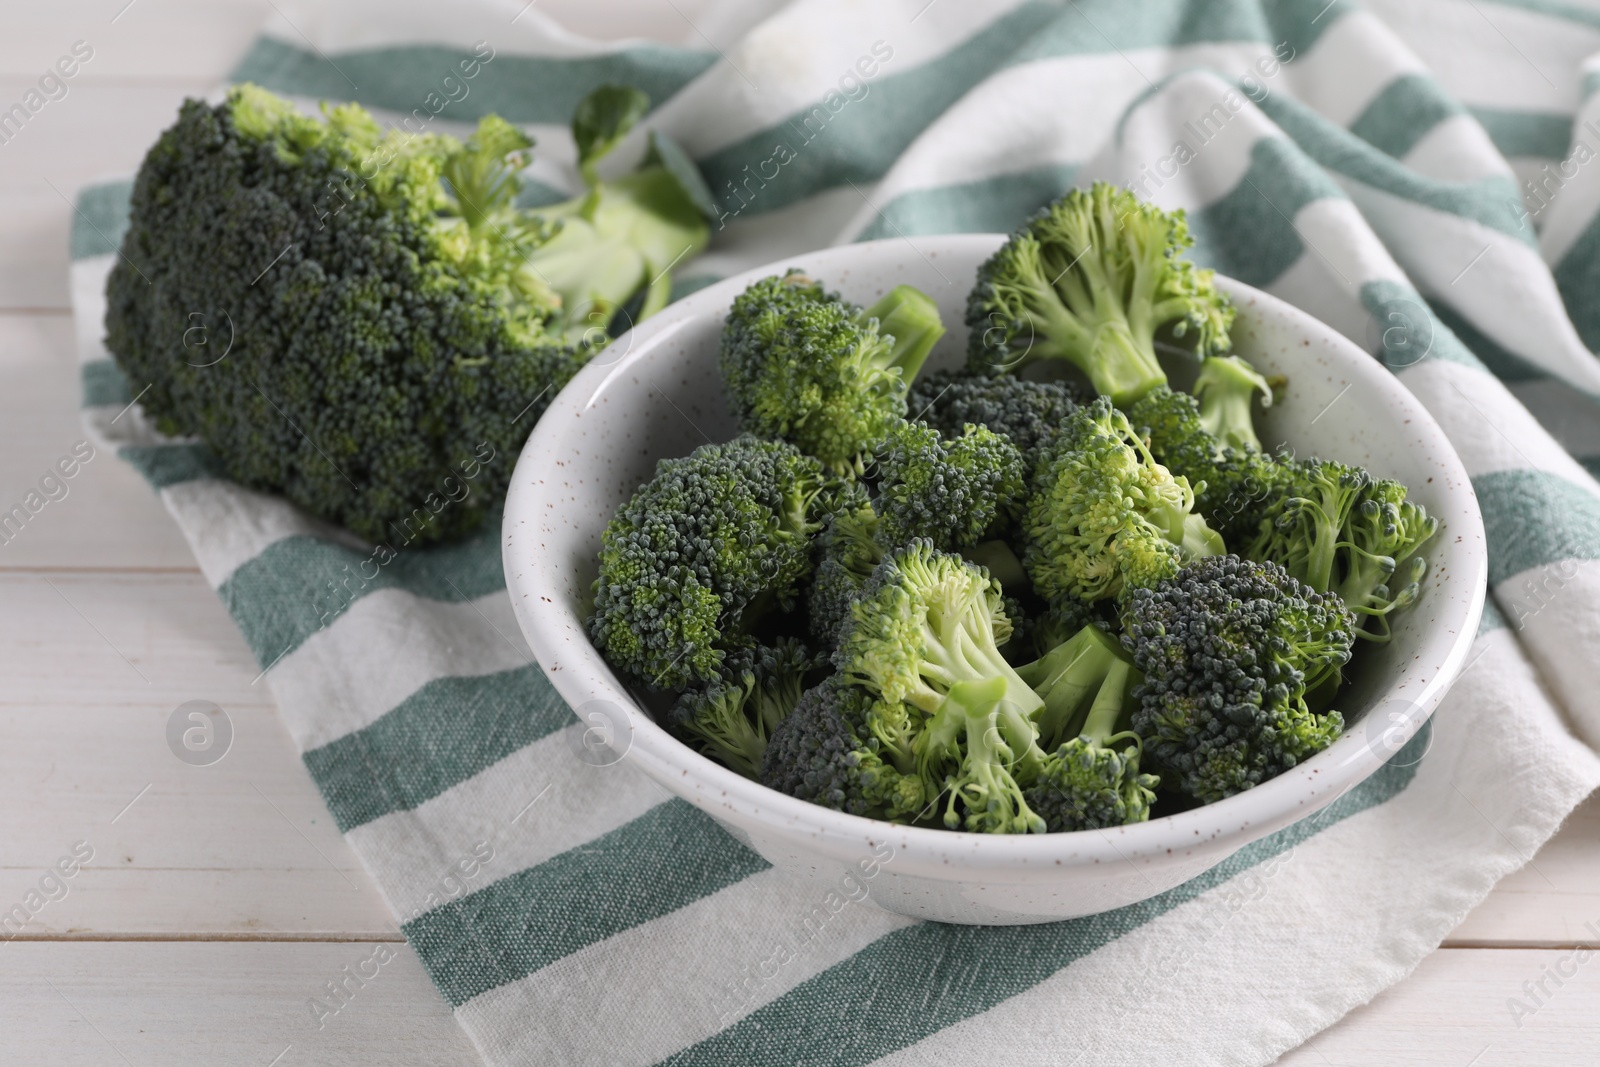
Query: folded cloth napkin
x=1413 y=172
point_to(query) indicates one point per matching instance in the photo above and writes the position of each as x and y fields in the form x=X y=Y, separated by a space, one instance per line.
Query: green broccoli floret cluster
x=801 y=365
x=1025 y=601
x=378 y=315
x=1237 y=656
x=1091 y=279
x=1104 y=515
x=701 y=552
x=732 y=716
x=954 y=491
x=1026 y=411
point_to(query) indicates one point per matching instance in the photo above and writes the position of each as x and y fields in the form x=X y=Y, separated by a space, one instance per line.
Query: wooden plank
x=1456 y=1010
x=182 y=1004
x=1552 y=902
x=110 y=517
x=96 y=666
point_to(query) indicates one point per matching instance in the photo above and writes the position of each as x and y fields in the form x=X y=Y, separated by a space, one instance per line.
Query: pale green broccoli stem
x=1225 y=388
x=1084 y=684
x=1120 y=358
x=911 y=318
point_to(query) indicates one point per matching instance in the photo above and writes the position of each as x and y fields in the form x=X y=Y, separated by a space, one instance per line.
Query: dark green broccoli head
x=1090 y=280
x=800 y=364
x=732 y=717
x=1230 y=650
x=954 y=491
x=849 y=550
x=700 y=552
x=825 y=751
x=1104 y=515
x=1086 y=784
x=390 y=347
x=1027 y=412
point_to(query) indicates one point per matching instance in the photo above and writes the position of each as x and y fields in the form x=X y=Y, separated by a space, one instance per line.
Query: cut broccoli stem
x=1088 y=675
x=1121 y=367
x=1226 y=387
x=912 y=319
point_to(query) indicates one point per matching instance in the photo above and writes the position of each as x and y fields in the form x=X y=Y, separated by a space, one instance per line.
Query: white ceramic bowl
x=656 y=393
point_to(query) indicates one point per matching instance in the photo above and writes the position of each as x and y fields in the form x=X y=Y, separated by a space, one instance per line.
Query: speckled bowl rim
x=958 y=856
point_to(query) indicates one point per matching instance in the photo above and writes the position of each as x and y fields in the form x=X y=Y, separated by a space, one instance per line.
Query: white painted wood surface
x=219 y=899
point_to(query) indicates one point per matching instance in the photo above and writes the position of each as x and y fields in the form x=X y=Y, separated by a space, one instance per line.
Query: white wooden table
x=219 y=899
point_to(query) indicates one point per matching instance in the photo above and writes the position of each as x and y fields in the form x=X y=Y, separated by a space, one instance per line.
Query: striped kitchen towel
x=1418 y=173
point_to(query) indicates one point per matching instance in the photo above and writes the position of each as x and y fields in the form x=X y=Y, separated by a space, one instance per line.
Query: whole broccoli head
x=732 y=717
x=1104 y=516
x=800 y=364
x=955 y=491
x=1090 y=777
x=701 y=552
x=826 y=752
x=1091 y=279
x=389 y=341
x=1028 y=412
x=1233 y=652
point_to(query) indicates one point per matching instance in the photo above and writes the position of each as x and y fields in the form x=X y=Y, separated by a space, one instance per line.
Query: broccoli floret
x=732 y=717
x=1104 y=515
x=701 y=552
x=1382 y=537
x=1230 y=650
x=925 y=620
x=800 y=364
x=1225 y=387
x=1305 y=525
x=979 y=748
x=849 y=552
x=1091 y=279
x=388 y=340
x=923 y=638
x=955 y=491
x=1028 y=412
x=1090 y=777
x=1235 y=488
x=825 y=752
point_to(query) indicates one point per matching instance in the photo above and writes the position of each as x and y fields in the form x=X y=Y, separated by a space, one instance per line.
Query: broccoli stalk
x=800 y=364
x=1090 y=778
x=622 y=237
x=1225 y=388
x=910 y=318
x=1078 y=679
x=1090 y=280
